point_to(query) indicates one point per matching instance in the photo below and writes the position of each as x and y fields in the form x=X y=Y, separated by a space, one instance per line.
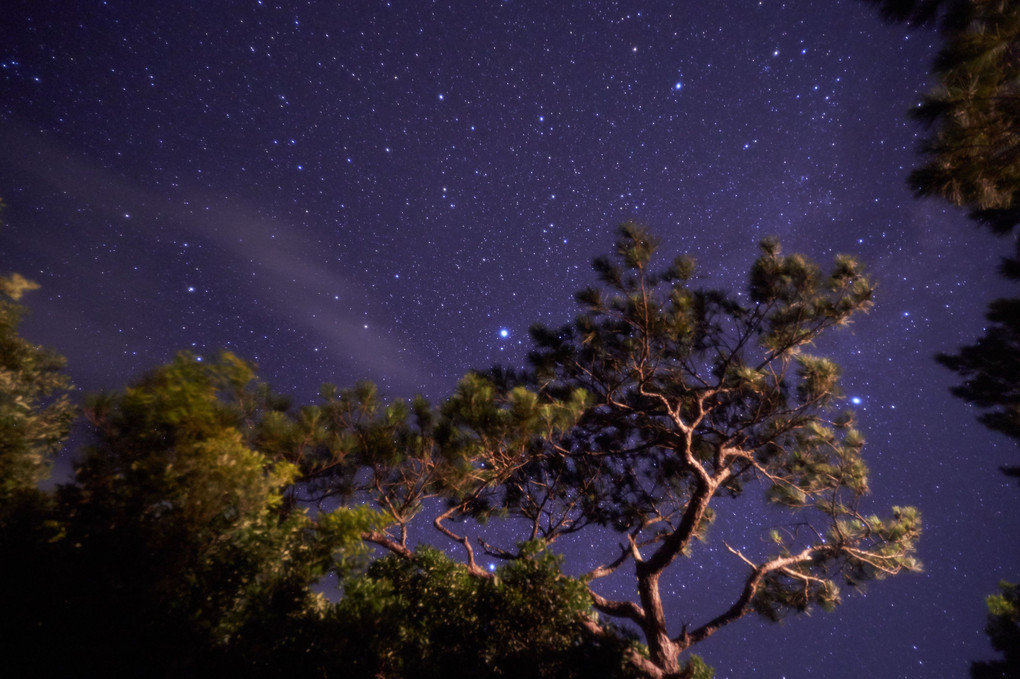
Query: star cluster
x=396 y=190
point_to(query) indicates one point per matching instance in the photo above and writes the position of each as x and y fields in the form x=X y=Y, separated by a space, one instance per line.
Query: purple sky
x=395 y=191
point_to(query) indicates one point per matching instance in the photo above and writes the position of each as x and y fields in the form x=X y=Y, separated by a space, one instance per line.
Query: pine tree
x=973 y=152
x=1003 y=630
x=991 y=366
x=658 y=401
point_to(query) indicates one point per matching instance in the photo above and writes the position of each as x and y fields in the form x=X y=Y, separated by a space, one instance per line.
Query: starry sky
x=396 y=190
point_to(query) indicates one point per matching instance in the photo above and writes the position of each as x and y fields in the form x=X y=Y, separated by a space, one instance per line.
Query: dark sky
x=378 y=190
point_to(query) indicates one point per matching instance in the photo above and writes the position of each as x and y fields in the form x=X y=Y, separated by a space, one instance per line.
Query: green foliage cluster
x=175 y=533
x=972 y=159
x=526 y=621
x=181 y=549
x=35 y=411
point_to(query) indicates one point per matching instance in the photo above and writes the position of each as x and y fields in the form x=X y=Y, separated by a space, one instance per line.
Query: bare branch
x=743 y=604
x=611 y=567
x=618 y=609
x=472 y=567
x=387 y=542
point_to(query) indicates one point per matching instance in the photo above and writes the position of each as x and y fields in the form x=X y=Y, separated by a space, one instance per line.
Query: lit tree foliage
x=35 y=411
x=35 y=416
x=973 y=160
x=183 y=547
x=973 y=151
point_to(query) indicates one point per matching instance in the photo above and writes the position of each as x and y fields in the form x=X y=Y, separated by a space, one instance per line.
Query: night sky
x=395 y=191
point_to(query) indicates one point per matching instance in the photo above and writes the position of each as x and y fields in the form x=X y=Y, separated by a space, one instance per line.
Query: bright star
x=504 y=333
x=856 y=400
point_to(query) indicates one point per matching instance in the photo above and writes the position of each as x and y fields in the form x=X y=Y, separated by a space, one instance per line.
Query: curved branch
x=609 y=568
x=618 y=609
x=743 y=604
x=643 y=664
x=388 y=543
x=472 y=567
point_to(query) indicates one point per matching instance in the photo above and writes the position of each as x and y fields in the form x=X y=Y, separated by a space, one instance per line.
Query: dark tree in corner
x=1003 y=630
x=991 y=366
x=973 y=153
x=656 y=402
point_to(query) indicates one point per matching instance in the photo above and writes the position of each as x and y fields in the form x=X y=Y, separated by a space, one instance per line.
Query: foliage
x=179 y=549
x=177 y=534
x=922 y=12
x=991 y=368
x=973 y=151
x=35 y=417
x=420 y=617
x=1003 y=630
x=35 y=409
